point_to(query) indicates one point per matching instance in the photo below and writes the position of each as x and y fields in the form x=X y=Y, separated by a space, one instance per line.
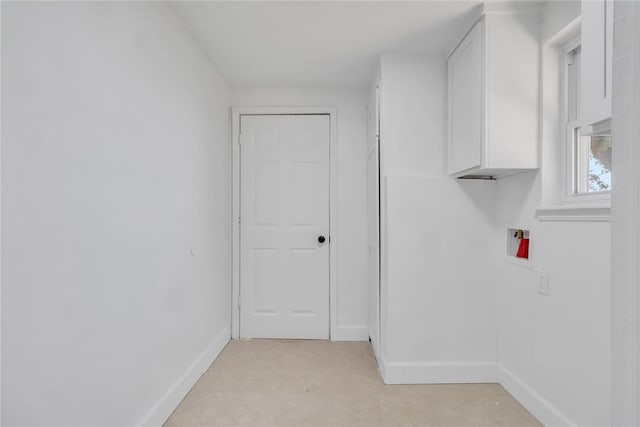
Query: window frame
x=570 y=161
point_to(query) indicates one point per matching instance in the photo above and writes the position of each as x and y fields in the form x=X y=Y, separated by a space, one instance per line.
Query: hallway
x=455 y=216
x=321 y=383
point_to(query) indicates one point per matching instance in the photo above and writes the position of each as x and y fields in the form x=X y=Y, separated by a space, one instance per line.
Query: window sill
x=592 y=213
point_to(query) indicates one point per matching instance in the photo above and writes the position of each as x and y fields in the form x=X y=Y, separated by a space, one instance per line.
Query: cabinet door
x=465 y=103
x=597 y=57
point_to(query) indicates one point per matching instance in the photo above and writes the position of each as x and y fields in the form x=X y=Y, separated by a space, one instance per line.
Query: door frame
x=236 y=114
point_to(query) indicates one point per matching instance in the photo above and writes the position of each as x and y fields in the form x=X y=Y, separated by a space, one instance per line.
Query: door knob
x=321 y=239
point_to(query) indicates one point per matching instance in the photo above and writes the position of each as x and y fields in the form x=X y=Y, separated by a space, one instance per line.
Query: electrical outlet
x=543 y=282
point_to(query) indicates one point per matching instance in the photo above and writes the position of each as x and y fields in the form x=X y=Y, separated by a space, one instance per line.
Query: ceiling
x=317 y=44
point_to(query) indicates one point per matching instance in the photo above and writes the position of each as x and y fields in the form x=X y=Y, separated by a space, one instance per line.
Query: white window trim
x=568 y=196
x=572 y=206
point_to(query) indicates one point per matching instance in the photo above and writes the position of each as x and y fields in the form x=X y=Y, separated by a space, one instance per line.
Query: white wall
x=351 y=240
x=438 y=313
x=625 y=228
x=555 y=346
x=444 y=248
x=554 y=350
x=115 y=197
x=556 y=15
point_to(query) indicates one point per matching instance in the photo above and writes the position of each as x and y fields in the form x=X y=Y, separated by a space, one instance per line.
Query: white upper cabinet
x=597 y=58
x=493 y=97
x=465 y=102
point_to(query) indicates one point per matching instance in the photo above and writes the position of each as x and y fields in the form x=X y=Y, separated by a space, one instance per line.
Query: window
x=588 y=157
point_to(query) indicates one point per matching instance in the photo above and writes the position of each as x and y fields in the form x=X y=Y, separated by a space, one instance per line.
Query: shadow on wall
x=477 y=191
x=516 y=195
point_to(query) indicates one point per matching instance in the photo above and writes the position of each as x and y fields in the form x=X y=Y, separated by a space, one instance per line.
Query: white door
x=284 y=226
x=373 y=221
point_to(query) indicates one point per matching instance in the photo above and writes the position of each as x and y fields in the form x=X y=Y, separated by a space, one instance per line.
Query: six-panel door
x=284 y=209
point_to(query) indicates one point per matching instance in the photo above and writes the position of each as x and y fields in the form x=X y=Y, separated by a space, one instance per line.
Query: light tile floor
x=322 y=383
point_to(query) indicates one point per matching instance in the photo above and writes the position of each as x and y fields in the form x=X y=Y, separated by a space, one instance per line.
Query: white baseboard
x=165 y=406
x=392 y=373
x=453 y=372
x=351 y=333
x=544 y=411
x=438 y=373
